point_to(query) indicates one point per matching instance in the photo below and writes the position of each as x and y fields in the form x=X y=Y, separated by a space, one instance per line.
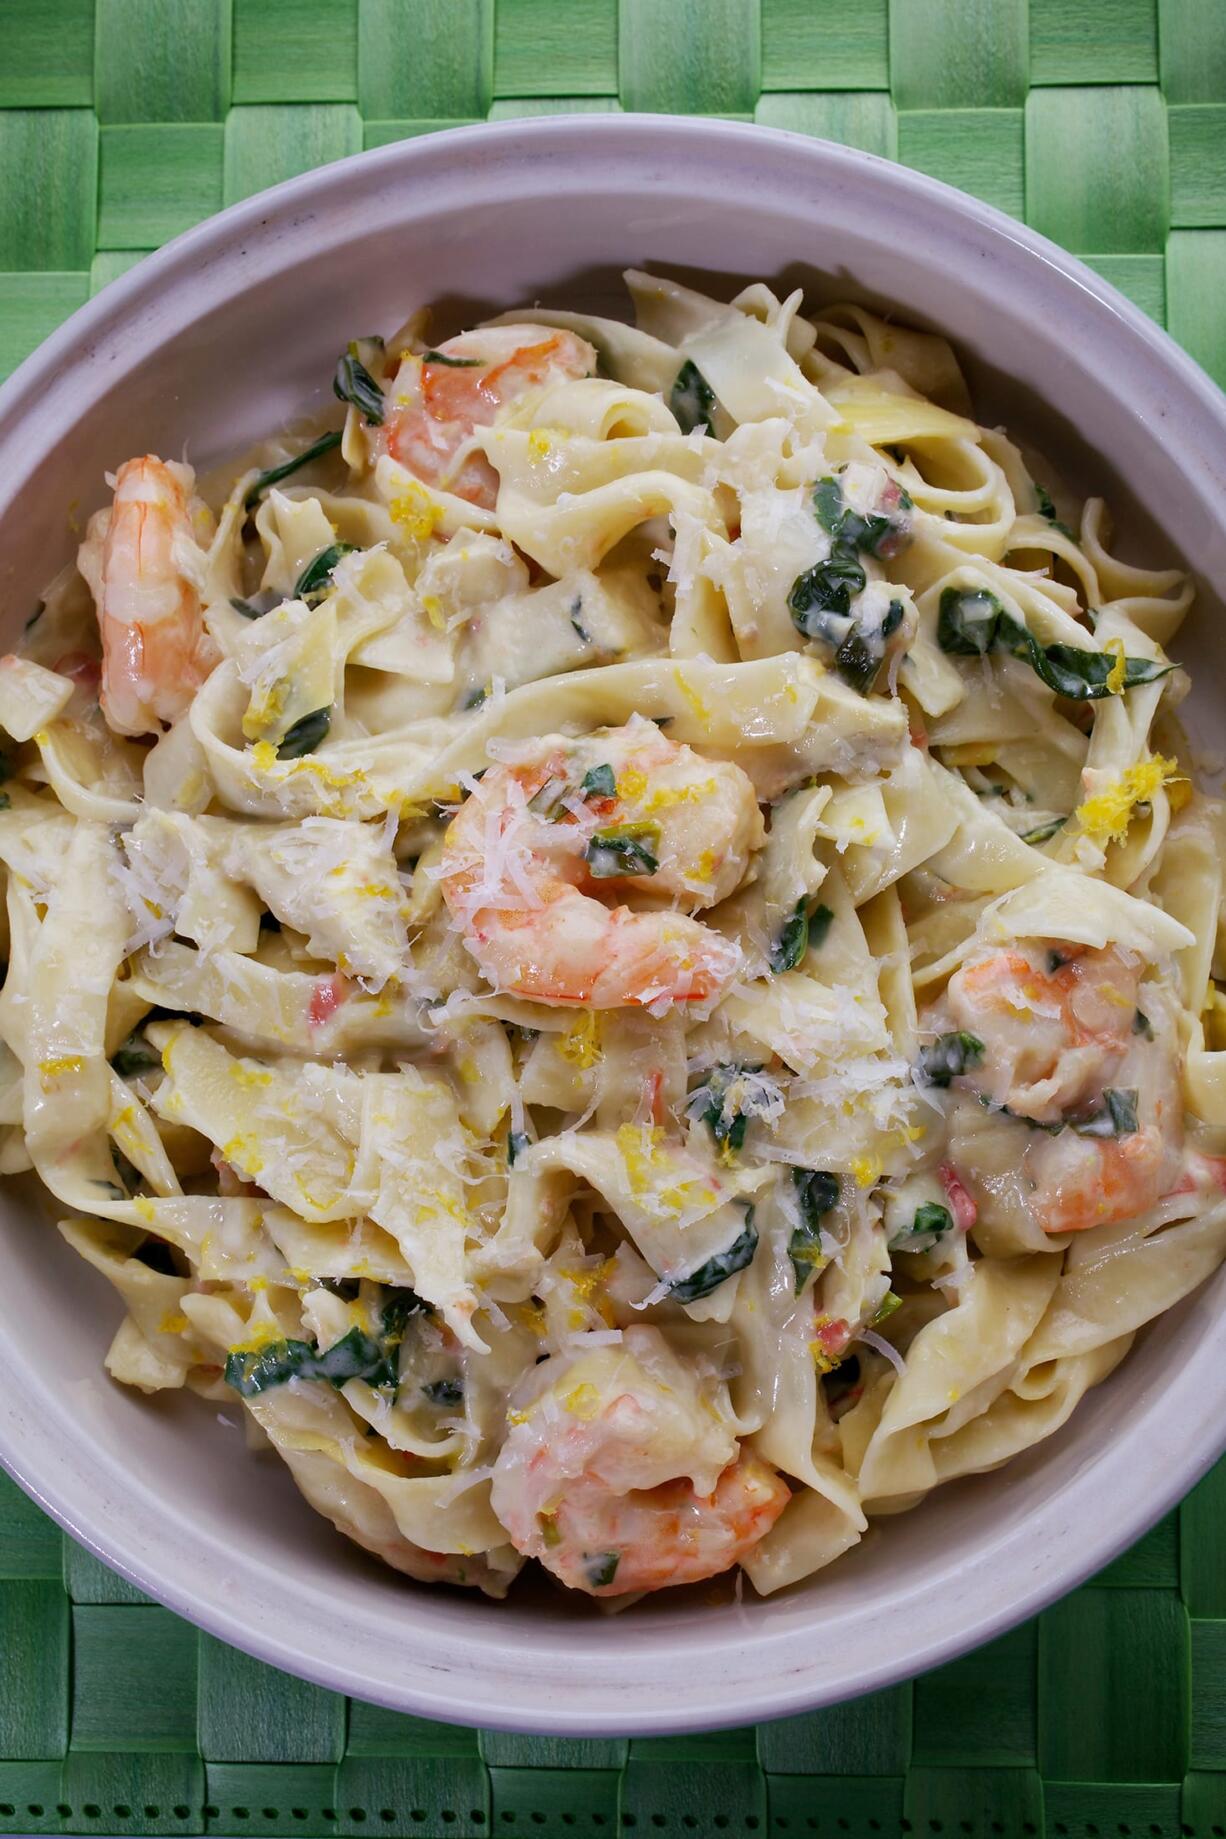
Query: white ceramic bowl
x=218 y=338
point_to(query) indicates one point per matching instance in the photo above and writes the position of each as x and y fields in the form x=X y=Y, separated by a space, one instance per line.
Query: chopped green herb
x=257 y=606
x=817 y=1191
x=600 y=1568
x=326 y=443
x=947 y=1057
x=624 y=849
x=728 y=1097
x=444 y=1391
x=441 y=357
x=789 y=948
x=874 y=533
x=1043 y=833
x=474 y=699
x=886 y=1308
x=1117 y=1118
x=316 y=578
x=357 y=1355
x=931 y=1220
x=1141 y=1024
x=580 y=630
x=710 y=1275
x=971 y=622
x=823 y=594
x=305 y=734
x=354 y=383
x=692 y=400
x=599 y=782
x=135 y=1056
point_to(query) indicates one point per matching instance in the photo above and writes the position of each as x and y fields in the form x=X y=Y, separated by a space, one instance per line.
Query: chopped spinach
x=710 y=1275
x=862 y=653
x=357 y=1355
x=874 y=533
x=444 y=1391
x=930 y=1221
x=258 y=604
x=599 y=782
x=517 y=1143
x=624 y=849
x=441 y=357
x=1117 y=1117
x=325 y=444
x=1048 y=510
x=304 y=735
x=354 y=383
x=971 y=622
x=823 y=594
x=316 y=578
x=600 y=1568
x=692 y=400
x=135 y=1056
x=799 y=930
x=709 y=1103
x=948 y=1056
x=817 y=1191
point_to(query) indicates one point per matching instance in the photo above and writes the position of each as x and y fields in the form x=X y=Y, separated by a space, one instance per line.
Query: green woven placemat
x=1101 y=123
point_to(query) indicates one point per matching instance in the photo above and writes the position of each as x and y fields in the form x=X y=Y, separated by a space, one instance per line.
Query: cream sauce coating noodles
x=621 y=948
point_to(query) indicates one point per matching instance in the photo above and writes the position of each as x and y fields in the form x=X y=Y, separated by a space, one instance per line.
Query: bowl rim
x=466 y=1693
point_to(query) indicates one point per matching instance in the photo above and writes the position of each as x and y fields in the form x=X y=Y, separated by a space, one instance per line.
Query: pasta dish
x=612 y=941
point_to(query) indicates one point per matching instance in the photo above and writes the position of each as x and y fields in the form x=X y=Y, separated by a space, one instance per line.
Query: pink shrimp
x=155 y=650
x=532 y=849
x=437 y=400
x=620 y=1478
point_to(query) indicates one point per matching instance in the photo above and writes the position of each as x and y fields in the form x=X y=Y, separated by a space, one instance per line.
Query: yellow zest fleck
x=691 y=794
x=1105 y=816
x=416 y=512
x=51 y=1070
x=913 y=1133
x=176 y=1323
x=969 y=753
x=824 y=1362
x=953 y=1395
x=638 y=1145
x=705 y=869
x=243 y=1154
x=257 y=1284
x=539 y=444
x=42 y=738
x=631 y=784
x=259 y=1336
x=1118 y=673
x=691 y=695
x=866 y=1170
x=145 y=1208
x=432 y=607
x=534 y=1318
x=250 y=1077
x=263 y=756
x=583 y=1402
x=581 y=1042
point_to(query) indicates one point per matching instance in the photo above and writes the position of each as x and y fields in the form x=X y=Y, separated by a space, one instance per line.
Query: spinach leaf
x=710 y=1275
x=257 y=606
x=517 y=1143
x=799 y=930
x=874 y=533
x=316 y=578
x=401 y=1306
x=325 y=444
x=709 y=1102
x=357 y=1355
x=948 y=1056
x=930 y=1221
x=817 y=1191
x=1117 y=1118
x=441 y=357
x=1043 y=833
x=823 y=595
x=444 y=1391
x=624 y=849
x=971 y=622
x=600 y=1568
x=305 y=734
x=692 y=399
x=862 y=653
x=135 y=1056
x=599 y=782
x=1048 y=510
x=354 y=383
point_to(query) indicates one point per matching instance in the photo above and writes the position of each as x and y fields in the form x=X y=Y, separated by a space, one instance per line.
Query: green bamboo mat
x=1101 y=123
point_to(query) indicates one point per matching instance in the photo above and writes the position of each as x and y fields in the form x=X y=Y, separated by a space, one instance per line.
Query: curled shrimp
x=438 y=399
x=155 y=650
x=532 y=851
x=1084 y=1057
x=620 y=1476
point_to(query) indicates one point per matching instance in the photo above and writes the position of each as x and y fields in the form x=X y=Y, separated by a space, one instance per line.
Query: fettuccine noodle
x=621 y=949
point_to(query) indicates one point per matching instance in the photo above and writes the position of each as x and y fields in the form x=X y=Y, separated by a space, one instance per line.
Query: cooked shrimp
x=1084 y=1056
x=620 y=1476
x=438 y=399
x=536 y=844
x=155 y=650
